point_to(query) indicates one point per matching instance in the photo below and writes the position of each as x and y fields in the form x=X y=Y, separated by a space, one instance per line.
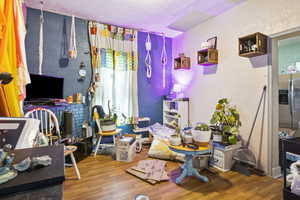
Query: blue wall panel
x=150 y=91
x=53 y=42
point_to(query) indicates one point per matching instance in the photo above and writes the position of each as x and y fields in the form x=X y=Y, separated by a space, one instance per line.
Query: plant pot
x=175 y=140
x=201 y=137
x=229 y=138
x=217 y=137
x=187 y=138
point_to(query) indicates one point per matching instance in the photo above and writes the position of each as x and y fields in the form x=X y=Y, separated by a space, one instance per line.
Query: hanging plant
x=227 y=118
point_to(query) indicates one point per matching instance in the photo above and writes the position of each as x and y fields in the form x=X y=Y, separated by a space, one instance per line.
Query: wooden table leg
x=189 y=170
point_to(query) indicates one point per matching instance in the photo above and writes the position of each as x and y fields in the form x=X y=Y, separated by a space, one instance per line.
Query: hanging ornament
x=164 y=60
x=72 y=47
x=41 y=38
x=148 y=57
x=95 y=52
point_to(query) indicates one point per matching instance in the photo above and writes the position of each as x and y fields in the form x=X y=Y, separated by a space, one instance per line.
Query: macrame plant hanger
x=148 y=57
x=41 y=41
x=72 y=47
x=164 y=60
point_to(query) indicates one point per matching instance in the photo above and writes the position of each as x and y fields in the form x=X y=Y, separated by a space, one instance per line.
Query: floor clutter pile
x=151 y=171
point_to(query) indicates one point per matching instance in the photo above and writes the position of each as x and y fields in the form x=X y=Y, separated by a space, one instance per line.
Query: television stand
x=80 y=114
x=47 y=102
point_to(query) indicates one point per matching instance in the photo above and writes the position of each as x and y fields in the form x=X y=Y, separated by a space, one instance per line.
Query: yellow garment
x=9 y=99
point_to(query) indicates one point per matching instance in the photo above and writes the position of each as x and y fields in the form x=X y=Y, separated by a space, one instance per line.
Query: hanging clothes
x=73 y=48
x=20 y=31
x=9 y=94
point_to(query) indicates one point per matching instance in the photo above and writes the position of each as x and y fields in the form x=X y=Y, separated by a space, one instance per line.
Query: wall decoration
x=82 y=72
x=207 y=57
x=204 y=45
x=64 y=59
x=148 y=57
x=253 y=45
x=164 y=60
x=41 y=41
x=212 y=42
x=182 y=62
x=72 y=47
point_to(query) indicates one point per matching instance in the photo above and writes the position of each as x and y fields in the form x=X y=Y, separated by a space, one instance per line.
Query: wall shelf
x=253 y=45
x=207 y=57
x=182 y=62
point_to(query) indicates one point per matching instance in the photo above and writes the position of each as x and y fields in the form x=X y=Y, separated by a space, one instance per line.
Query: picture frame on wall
x=212 y=42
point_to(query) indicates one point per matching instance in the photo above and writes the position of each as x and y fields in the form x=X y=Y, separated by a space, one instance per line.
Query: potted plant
x=226 y=121
x=176 y=138
x=201 y=134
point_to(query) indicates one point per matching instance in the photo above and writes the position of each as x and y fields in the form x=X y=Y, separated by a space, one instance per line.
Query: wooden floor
x=104 y=178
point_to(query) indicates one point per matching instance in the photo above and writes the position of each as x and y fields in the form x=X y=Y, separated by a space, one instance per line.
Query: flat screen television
x=44 y=87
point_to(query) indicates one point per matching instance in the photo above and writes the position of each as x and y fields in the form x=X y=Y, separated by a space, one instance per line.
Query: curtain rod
x=88 y=19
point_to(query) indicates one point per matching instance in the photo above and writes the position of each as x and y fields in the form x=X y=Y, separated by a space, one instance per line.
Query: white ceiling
x=171 y=17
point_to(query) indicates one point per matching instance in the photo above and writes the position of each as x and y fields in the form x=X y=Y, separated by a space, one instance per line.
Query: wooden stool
x=111 y=133
x=69 y=151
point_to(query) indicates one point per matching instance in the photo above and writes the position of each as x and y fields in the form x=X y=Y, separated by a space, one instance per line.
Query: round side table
x=187 y=167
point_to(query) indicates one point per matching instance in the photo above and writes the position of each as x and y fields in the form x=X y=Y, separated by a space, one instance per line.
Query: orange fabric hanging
x=9 y=94
x=20 y=34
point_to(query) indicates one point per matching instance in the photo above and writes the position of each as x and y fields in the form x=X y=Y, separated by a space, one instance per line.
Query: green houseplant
x=227 y=119
x=201 y=134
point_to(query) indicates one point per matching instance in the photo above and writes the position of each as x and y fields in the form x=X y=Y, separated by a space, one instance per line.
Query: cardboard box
x=125 y=152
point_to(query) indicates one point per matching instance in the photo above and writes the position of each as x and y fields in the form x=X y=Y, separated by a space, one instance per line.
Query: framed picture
x=212 y=42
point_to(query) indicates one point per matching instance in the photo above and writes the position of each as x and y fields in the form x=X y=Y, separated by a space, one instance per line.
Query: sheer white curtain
x=114 y=58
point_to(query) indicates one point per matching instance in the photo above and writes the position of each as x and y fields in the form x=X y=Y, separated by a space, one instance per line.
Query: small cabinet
x=253 y=45
x=176 y=111
x=207 y=57
x=182 y=62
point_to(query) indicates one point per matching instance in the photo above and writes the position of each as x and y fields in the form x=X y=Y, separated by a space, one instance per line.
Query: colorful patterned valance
x=113 y=47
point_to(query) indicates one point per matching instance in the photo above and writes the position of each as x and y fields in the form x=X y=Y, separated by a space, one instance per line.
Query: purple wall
x=151 y=91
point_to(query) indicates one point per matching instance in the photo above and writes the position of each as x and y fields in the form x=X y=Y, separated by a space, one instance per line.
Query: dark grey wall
x=53 y=40
x=150 y=92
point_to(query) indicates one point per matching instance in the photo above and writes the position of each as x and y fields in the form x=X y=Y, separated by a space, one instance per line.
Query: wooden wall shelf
x=207 y=57
x=253 y=45
x=182 y=62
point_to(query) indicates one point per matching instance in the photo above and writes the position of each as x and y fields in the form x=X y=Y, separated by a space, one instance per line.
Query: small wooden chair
x=69 y=150
x=105 y=134
x=49 y=126
x=48 y=123
x=101 y=134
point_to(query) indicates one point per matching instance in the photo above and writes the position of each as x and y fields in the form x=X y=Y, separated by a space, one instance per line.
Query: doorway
x=284 y=93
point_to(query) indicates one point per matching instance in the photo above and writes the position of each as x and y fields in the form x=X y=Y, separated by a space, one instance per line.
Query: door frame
x=273 y=106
